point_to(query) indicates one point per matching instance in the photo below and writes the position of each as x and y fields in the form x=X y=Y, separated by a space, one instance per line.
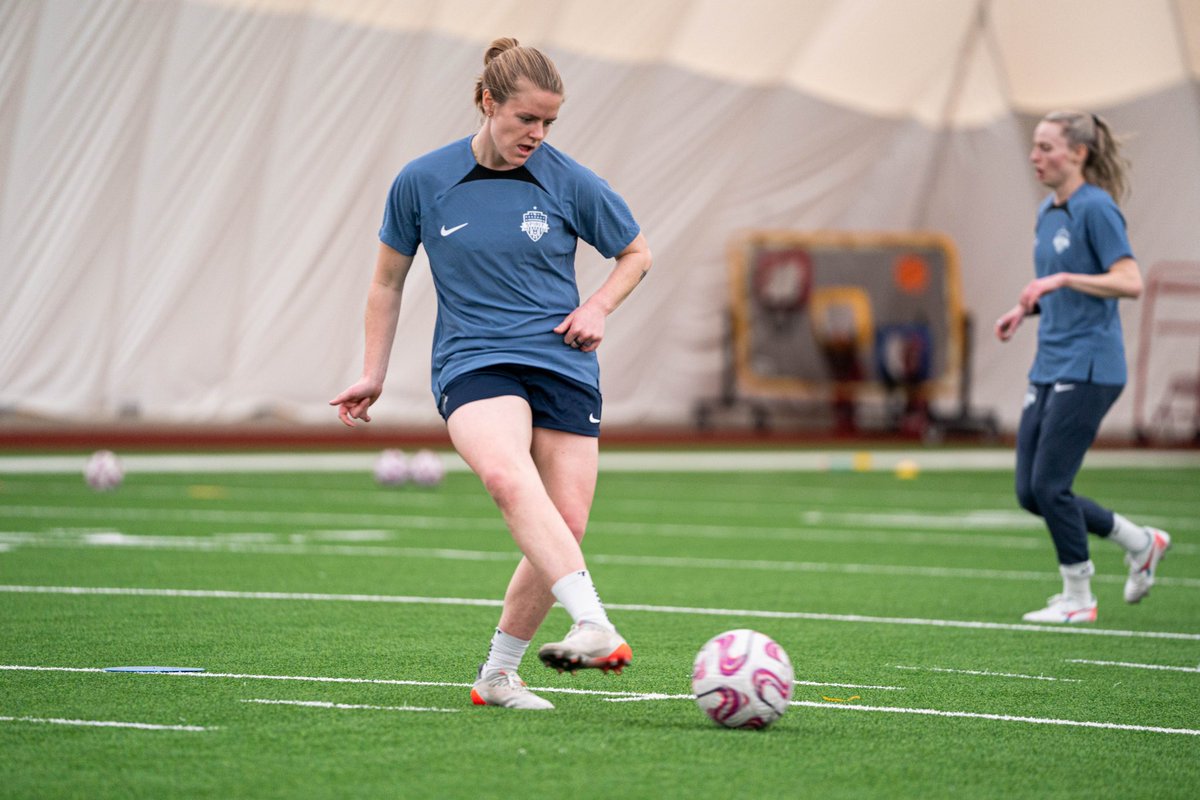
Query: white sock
x=578 y=596
x=1130 y=537
x=504 y=653
x=1077 y=580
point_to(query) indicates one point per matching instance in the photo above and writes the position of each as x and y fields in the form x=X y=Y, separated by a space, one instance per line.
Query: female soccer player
x=515 y=374
x=1084 y=264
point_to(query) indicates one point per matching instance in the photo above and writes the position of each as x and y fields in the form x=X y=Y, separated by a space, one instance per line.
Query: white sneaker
x=507 y=690
x=1141 y=567
x=1060 y=608
x=587 y=645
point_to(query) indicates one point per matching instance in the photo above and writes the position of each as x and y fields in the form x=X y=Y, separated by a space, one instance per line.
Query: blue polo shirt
x=1079 y=336
x=501 y=246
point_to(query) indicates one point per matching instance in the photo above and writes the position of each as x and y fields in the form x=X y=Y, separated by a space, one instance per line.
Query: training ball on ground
x=742 y=679
x=103 y=471
x=907 y=469
x=391 y=468
x=426 y=469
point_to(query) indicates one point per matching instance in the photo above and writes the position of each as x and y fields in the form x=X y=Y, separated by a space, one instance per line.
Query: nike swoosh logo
x=1063 y=387
x=592 y=419
x=447 y=231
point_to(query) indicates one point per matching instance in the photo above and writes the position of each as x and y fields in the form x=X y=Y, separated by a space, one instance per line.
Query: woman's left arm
x=1123 y=279
x=584 y=327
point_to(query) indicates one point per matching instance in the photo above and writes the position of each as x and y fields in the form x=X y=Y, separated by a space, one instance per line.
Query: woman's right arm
x=383 y=312
x=1008 y=323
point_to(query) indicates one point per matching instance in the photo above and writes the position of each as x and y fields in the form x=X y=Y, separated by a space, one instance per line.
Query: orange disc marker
x=911 y=273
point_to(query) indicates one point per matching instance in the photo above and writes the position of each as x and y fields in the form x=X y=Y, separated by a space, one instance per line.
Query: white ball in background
x=426 y=468
x=103 y=471
x=392 y=468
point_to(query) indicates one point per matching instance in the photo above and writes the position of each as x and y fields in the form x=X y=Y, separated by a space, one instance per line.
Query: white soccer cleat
x=587 y=646
x=1060 y=608
x=507 y=690
x=1141 y=567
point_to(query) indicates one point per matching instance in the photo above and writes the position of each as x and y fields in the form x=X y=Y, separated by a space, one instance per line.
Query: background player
x=1084 y=264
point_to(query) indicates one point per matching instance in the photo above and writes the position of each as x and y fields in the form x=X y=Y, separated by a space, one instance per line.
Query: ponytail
x=1104 y=166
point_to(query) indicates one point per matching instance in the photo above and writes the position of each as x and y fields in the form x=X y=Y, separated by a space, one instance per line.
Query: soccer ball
x=391 y=468
x=742 y=679
x=426 y=468
x=103 y=471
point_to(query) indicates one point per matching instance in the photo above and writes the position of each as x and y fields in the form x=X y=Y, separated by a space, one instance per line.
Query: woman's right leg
x=568 y=465
x=1028 y=430
x=494 y=436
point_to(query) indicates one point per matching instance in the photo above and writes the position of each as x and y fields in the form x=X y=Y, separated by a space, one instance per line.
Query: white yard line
x=1116 y=726
x=249 y=544
x=657 y=696
x=320 y=679
x=959 y=529
x=103 y=723
x=1077 y=630
x=619 y=696
x=987 y=674
x=850 y=686
x=935 y=623
x=346 y=706
x=1130 y=665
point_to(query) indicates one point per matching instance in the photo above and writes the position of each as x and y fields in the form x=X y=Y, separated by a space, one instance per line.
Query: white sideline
x=655 y=609
x=617 y=696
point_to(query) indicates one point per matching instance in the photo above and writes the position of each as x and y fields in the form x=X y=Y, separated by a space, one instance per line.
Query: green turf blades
x=280 y=580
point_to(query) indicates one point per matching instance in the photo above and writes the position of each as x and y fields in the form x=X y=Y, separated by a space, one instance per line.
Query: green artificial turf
x=890 y=596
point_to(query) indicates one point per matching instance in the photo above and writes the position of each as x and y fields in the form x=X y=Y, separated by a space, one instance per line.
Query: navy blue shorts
x=557 y=402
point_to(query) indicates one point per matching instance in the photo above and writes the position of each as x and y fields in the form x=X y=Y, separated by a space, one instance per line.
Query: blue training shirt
x=1079 y=336
x=501 y=246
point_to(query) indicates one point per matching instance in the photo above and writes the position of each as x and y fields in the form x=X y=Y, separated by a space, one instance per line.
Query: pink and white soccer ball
x=391 y=468
x=426 y=469
x=103 y=471
x=742 y=679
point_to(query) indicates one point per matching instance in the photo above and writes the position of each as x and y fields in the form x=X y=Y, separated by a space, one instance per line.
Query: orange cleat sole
x=615 y=661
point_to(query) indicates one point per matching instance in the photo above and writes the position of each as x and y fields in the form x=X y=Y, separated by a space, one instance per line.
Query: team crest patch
x=1062 y=240
x=535 y=223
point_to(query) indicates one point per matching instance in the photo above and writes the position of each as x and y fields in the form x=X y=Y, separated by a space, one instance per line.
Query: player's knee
x=1028 y=500
x=1048 y=495
x=577 y=522
x=503 y=484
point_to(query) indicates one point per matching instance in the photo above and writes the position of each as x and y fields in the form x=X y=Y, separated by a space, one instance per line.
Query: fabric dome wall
x=191 y=190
